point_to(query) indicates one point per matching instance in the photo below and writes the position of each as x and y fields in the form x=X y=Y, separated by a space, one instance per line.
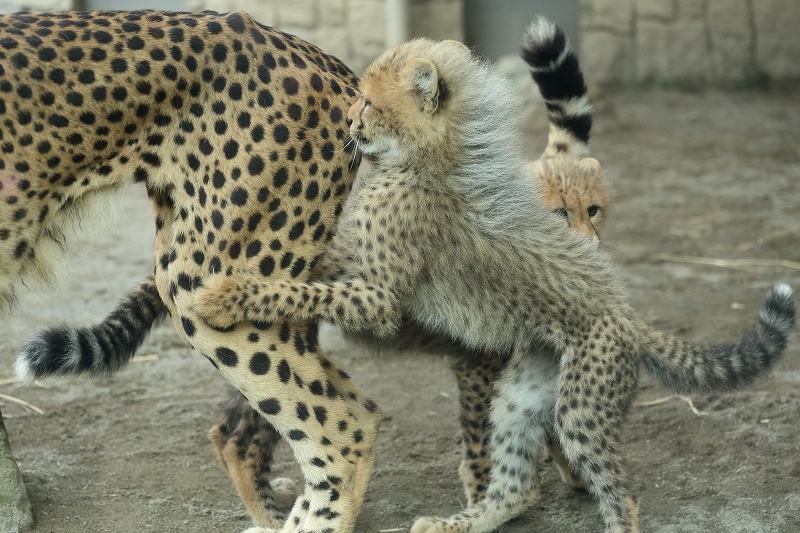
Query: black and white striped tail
x=689 y=368
x=96 y=350
x=554 y=68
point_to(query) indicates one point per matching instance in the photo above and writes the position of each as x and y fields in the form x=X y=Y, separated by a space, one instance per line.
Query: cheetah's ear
x=591 y=164
x=423 y=76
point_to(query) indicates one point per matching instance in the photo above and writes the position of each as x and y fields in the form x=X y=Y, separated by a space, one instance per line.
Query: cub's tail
x=554 y=68
x=689 y=368
x=96 y=350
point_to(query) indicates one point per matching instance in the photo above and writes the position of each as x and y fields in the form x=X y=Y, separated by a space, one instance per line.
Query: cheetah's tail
x=554 y=68
x=690 y=368
x=96 y=350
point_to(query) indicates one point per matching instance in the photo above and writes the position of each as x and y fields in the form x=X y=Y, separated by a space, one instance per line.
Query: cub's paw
x=285 y=491
x=431 y=524
x=218 y=301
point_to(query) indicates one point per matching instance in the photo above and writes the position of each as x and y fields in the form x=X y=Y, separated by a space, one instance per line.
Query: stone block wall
x=690 y=40
x=352 y=30
x=13 y=6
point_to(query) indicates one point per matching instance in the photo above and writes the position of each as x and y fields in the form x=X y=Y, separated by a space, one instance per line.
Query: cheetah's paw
x=216 y=301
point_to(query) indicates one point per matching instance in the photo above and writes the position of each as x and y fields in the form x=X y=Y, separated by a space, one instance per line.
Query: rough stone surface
x=606 y=57
x=613 y=15
x=334 y=13
x=691 y=9
x=298 y=13
x=15 y=509
x=658 y=9
x=731 y=37
x=777 y=24
x=688 y=56
x=653 y=40
x=437 y=20
x=366 y=19
x=13 y=6
x=718 y=41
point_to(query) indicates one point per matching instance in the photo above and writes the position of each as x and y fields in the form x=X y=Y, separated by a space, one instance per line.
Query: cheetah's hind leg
x=244 y=442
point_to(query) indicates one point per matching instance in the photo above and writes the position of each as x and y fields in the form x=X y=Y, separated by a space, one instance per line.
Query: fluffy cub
x=449 y=230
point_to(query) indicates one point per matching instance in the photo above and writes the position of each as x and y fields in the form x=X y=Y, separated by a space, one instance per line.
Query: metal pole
x=396 y=22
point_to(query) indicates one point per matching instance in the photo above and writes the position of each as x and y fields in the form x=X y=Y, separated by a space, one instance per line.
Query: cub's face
x=400 y=113
x=574 y=190
x=374 y=124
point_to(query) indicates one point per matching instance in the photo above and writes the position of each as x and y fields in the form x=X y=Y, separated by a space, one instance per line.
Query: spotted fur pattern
x=449 y=230
x=238 y=133
x=579 y=197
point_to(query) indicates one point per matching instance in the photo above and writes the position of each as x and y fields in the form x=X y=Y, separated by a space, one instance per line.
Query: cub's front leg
x=353 y=304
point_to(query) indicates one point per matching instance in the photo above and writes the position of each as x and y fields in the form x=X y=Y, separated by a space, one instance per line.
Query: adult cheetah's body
x=242 y=439
x=237 y=131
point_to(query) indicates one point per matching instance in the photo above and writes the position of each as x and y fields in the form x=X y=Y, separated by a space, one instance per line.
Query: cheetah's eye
x=561 y=212
x=593 y=209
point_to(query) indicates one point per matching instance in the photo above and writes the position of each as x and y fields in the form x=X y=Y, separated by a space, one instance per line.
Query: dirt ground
x=709 y=174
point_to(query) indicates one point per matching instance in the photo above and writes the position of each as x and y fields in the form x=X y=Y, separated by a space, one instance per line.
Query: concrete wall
x=690 y=40
x=352 y=30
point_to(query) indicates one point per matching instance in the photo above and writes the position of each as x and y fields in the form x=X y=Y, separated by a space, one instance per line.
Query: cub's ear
x=423 y=76
x=591 y=164
x=456 y=44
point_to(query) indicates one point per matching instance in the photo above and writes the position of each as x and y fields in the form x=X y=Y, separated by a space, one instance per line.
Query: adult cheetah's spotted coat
x=243 y=440
x=237 y=131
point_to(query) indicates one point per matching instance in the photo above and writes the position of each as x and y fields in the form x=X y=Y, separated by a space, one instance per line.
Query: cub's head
x=416 y=101
x=574 y=190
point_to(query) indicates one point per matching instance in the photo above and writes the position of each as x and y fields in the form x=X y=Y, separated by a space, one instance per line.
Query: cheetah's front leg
x=354 y=304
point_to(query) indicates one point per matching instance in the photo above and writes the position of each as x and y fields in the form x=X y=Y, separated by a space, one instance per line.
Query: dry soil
x=708 y=174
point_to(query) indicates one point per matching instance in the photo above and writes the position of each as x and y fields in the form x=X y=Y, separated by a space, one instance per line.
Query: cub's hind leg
x=476 y=374
x=569 y=474
x=521 y=417
x=244 y=443
x=597 y=385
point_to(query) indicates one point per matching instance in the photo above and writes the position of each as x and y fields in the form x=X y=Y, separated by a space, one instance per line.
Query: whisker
x=355 y=152
x=347 y=143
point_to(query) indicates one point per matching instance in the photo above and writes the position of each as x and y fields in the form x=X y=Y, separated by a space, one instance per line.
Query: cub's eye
x=593 y=209
x=561 y=212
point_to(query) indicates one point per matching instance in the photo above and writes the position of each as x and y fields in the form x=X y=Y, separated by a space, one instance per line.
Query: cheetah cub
x=449 y=230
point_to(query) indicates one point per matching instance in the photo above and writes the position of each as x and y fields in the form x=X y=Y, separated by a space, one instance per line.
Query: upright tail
x=554 y=68
x=96 y=350
x=689 y=368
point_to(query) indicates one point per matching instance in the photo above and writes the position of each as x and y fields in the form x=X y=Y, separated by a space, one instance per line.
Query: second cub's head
x=414 y=102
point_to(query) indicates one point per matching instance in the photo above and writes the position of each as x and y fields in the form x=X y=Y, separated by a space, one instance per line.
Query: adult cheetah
x=243 y=440
x=238 y=133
